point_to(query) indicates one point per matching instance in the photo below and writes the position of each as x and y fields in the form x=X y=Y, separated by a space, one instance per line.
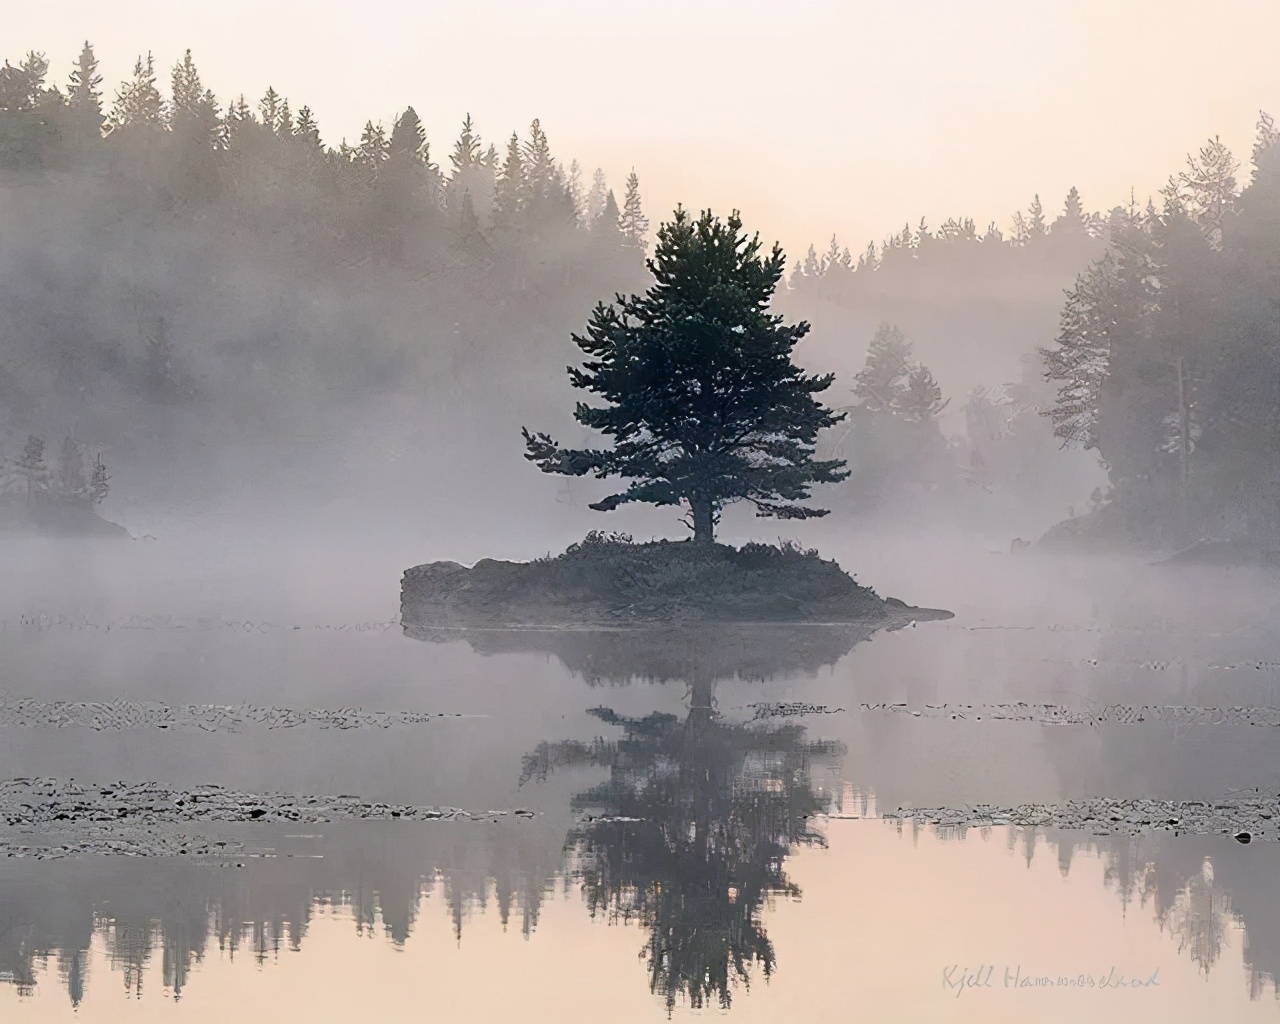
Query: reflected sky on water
x=703 y=826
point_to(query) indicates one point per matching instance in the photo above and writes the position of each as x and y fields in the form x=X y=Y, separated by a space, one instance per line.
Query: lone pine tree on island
x=702 y=399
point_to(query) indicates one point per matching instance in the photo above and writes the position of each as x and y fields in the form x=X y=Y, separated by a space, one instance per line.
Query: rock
x=623 y=584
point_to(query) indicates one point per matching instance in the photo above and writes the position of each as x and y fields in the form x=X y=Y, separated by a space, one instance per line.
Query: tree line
x=1167 y=361
x=193 y=149
x=27 y=477
x=957 y=254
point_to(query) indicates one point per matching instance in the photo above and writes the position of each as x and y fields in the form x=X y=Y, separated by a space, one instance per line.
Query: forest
x=216 y=296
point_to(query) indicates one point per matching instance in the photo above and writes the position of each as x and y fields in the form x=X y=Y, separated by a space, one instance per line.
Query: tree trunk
x=703 y=524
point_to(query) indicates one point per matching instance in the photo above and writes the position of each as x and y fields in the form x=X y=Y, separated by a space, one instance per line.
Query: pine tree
x=921 y=399
x=32 y=469
x=83 y=94
x=596 y=197
x=15 y=89
x=193 y=112
x=604 y=230
x=1264 y=146
x=879 y=386
x=269 y=108
x=1207 y=189
x=70 y=486
x=576 y=193
x=831 y=258
x=305 y=129
x=633 y=224
x=471 y=175
x=1021 y=229
x=408 y=139
x=812 y=266
x=509 y=189
x=1035 y=219
x=99 y=484
x=466 y=151
x=284 y=120
x=702 y=399
x=1073 y=220
x=138 y=103
x=373 y=149
x=35 y=66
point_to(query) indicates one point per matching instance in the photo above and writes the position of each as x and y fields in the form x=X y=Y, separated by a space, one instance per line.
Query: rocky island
x=610 y=581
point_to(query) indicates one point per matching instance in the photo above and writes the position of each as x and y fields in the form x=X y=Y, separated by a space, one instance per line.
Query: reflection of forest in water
x=679 y=825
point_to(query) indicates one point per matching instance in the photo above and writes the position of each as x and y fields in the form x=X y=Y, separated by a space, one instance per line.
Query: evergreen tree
x=193 y=112
x=633 y=224
x=15 y=89
x=509 y=189
x=879 y=386
x=138 y=103
x=576 y=193
x=596 y=197
x=1264 y=146
x=99 y=484
x=702 y=399
x=306 y=130
x=35 y=66
x=1207 y=189
x=921 y=399
x=83 y=94
x=1035 y=219
x=1021 y=229
x=471 y=175
x=466 y=151
x=70 y=485
x=32 y=469
x=812 y=266
x=544 y=204
x=408 y=145
x=373 y=149
x=1103 y=306
x=269 y=108
x=1073 y=220
x=832 y=256
x=284 y=120
x=604 y=229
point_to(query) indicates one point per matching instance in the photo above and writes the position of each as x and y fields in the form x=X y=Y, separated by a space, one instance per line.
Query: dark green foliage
x=704 y=403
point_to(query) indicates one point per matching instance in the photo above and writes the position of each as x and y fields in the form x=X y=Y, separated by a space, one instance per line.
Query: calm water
x=698 y=819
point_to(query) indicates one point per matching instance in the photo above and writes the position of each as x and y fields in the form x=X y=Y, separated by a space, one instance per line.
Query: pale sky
x=811 y=117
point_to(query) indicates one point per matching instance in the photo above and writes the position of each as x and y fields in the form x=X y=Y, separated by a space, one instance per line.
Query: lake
x=234 y=789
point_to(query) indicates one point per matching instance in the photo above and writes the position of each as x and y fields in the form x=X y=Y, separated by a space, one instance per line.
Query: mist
x=258 y=360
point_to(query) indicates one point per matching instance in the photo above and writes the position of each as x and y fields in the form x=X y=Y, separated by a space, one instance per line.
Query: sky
x=811 y=117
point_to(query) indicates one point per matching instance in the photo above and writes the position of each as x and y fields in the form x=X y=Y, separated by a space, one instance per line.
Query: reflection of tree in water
x=157 y=919
x=662 y=654
x=1198 y=888
x=688 y=835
